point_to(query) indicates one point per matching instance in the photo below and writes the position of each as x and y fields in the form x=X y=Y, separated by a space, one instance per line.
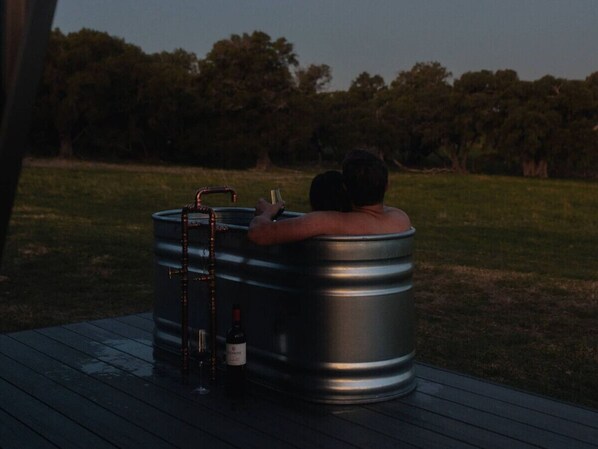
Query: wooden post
x=24 y=33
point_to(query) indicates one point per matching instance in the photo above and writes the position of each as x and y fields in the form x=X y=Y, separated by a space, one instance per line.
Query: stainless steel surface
x=330 y=319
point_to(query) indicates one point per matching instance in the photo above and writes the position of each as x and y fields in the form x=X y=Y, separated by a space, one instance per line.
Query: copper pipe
x=212 y=285
x=210 y=277
x=219 y=189
x=185 y=292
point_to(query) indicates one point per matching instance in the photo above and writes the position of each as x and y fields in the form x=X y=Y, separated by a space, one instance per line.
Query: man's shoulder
x=398 y=216
x=394 y=211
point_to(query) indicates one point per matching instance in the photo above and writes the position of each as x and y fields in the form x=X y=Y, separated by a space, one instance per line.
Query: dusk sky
x=532 y=37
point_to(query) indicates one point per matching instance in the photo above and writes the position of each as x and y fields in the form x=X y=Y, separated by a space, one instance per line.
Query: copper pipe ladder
x=210 y=277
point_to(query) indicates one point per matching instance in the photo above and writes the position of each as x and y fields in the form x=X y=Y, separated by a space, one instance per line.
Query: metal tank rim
x=173 y=215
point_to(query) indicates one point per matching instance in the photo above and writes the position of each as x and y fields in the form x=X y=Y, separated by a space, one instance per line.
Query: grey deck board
x=492 y=391
x=97 y=384
x=137 y=321
x=85 y=408
x=475 y=426
x=521 y=426
x=404 y=432
x=514 y=413
x=53 y=425
x=246 y=422
x=16 y=435
x=103 y=407
x=198 y=423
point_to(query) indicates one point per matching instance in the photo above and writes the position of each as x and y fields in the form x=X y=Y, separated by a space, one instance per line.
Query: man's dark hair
x=327 y=192
x=365 y=177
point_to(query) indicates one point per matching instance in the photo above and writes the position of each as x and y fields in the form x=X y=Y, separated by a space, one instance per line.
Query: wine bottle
x=236 y=355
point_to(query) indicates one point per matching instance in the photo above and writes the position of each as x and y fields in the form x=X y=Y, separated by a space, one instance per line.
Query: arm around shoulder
x=260 y=230
x=264 y=231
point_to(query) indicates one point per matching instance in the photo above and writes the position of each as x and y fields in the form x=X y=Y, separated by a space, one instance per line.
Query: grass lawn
x=506 y=283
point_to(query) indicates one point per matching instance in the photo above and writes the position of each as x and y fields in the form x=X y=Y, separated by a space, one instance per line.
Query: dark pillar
x=24 y=29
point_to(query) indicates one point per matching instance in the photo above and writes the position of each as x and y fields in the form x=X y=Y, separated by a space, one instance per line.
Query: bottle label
x=236 y=354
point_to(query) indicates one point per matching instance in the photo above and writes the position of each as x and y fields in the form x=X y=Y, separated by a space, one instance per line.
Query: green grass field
x=506 y=281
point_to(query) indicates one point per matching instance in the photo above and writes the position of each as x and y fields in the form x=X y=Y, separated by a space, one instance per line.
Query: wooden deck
x=96 y=385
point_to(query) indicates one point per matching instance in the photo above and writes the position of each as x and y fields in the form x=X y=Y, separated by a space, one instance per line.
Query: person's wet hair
x=365 y=177
x=327 y=192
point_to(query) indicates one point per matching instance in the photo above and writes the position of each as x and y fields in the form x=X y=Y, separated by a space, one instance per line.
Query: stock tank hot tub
x=329 y=319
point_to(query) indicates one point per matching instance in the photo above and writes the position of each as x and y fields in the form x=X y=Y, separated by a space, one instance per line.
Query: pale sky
x=532 y=37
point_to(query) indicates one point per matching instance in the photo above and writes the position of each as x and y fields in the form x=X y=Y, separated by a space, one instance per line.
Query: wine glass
x=276 y=197
x=203 y=356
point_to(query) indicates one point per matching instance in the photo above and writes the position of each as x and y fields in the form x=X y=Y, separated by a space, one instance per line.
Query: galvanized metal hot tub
x=329 y=319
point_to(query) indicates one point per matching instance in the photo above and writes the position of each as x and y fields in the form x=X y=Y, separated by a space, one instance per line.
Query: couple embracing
x=347 y=203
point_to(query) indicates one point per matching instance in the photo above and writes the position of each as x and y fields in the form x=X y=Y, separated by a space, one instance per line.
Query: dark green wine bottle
x=236 y=356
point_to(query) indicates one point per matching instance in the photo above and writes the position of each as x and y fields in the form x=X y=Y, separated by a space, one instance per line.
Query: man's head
x=327 y=192
x=365 y=177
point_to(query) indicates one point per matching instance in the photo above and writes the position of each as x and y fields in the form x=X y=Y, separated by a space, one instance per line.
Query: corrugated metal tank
x=329 y=319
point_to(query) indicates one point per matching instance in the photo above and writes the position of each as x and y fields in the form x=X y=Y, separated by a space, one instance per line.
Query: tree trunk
x=527 y=166
x=542 y=169
x=263 y=160
x=458 y=162
x=66 y=146
x=532 y=168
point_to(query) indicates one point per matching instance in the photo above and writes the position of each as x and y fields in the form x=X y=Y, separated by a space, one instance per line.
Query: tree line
x=250 y=103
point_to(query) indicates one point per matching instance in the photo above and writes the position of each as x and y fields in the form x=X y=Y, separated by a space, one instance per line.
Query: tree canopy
x=249 y=102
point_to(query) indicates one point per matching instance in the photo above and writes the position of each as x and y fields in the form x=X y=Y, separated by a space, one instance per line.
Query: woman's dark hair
x=365 y=177
x=327 y=192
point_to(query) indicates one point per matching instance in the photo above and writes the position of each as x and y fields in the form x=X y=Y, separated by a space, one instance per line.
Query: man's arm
x=264 y=231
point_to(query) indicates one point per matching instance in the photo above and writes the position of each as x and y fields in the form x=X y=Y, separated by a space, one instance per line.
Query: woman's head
x=327 y=192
